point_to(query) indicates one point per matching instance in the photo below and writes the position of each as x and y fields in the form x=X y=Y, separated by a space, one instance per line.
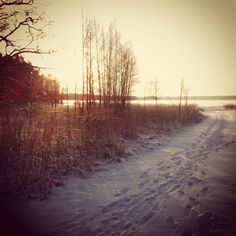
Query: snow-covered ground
x=183 y=184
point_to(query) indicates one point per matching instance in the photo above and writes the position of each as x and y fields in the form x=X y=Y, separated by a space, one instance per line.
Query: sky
x=173 y=40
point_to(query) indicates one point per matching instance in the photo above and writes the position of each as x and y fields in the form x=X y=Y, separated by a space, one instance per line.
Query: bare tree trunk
x=98 y=54
x=145 y=93
x=109 y=64
x=181 y=95
x=186 y=96
x=103 y=51
x=83 y=54
x=87 y=82
x=90 y=67
x=75 y=104
x=156 y=90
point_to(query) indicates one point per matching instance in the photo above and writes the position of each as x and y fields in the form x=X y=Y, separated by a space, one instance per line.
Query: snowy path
x=184 y=186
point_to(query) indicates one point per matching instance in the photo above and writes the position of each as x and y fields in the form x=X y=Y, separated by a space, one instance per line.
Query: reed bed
x=39 y=144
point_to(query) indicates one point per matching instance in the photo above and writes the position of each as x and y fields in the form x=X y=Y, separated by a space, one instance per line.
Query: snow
x=182 y=183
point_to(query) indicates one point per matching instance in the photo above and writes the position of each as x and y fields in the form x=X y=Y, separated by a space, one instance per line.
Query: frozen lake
x=199 y=102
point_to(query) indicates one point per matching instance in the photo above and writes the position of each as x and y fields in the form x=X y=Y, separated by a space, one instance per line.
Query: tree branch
x=16 y=2
x=24 y=22
x=19 y=52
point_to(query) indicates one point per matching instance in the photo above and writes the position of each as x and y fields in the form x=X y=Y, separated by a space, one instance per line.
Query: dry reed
x=40 y=144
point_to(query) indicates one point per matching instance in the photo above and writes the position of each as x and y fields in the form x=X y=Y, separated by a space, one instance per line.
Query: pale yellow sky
x=172 y=39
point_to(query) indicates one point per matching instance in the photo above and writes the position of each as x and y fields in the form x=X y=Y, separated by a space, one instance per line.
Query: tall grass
x=137 y=119
x=40 y=144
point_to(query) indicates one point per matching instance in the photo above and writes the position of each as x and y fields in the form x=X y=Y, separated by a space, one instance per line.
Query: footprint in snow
x=205 y=189
x=144 y=174
x=181 y=192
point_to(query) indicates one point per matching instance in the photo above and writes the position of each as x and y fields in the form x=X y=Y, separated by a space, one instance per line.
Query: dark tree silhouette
x=21 y=83
x=22 y=24
x=15 y=79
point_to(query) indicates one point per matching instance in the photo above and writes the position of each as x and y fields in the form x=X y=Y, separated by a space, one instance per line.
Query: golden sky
x=172 y=39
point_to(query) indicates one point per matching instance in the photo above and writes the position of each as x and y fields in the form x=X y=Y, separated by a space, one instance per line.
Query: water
x=200 y=103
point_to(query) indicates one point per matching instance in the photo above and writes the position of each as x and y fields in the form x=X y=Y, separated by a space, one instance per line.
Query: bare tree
x=98 y=59
x=186 y=92
x=83 y=62
x=145 y=93
x=24 y=18
x=89 y=50
x=128 y=74
x=154 y=89
x=182 y=88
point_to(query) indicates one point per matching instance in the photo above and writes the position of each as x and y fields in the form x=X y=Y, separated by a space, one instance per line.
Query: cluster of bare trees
x=108 y=66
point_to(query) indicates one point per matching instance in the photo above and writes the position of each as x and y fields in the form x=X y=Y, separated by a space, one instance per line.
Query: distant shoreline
x=189 y=98
x=71 y=96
